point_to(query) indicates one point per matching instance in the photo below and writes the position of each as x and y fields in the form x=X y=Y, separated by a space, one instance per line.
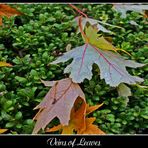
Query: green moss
x=31 y=41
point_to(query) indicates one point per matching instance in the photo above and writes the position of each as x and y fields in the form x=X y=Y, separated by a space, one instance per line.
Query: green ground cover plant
x=42 y=34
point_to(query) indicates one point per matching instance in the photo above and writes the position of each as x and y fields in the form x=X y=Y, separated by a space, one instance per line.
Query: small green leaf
x=110 y=117
x=10 y=124
x=18 y=115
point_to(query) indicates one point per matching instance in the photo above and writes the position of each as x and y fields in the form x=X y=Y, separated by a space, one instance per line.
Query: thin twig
x=79 y=11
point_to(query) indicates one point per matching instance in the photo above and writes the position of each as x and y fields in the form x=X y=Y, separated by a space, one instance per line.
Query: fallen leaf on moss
x=91 y=128
x=6 y=10
x=90 y=109
x=78 y=121
x=58 y=102
x=96 y=23
x=123 y=8
x=3 y=131
x=112 y=65
x=97 y=40
x=2 y=64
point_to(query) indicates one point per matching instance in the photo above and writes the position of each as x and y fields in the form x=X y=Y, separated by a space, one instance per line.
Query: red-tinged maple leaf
x=6 y=10
x=78 y=121
x=2 y=64
x=112 y=65
x=58 y=102
x=96 y=50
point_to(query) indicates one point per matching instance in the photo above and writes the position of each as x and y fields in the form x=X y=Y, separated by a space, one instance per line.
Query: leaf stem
x=79 y=11
x=81 y=30
x=80 y=22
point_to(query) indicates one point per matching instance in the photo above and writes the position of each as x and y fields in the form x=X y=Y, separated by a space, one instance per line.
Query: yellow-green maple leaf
x=97 y=40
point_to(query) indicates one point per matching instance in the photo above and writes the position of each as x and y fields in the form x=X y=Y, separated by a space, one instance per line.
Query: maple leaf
x=112 y=65
x=58 y=102
x=123 y=8
x=90 y=109
x=93 y=38
x=3 y=131
x=78 y=121
x=6 y=10
x=91 y=128
x=5 y=64
x=94 y=22
x=97 y=40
